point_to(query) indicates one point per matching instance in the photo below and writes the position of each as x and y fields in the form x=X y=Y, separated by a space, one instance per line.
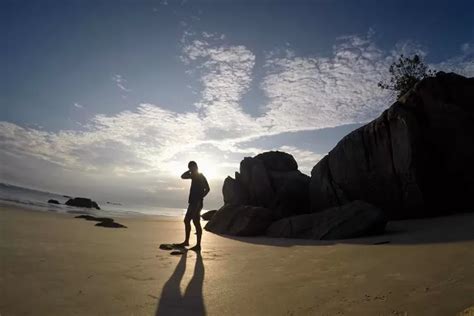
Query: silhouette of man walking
x=199 y=189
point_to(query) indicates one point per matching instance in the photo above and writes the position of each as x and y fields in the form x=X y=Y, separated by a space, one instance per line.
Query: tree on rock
x=405 y=73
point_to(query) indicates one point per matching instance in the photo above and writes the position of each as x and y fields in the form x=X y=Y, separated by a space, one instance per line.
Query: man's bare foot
x=181 y=245
x=196 y=248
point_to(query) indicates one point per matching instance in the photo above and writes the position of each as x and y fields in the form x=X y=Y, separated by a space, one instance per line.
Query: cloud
x=462 y=64
x=306 y=159
x=78 y=106
x=148 y=146
x=120 y=82
x=225 y=73
x=318 y=92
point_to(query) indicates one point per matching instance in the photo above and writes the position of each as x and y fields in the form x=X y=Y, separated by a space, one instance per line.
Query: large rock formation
x=82 y=202
x=415 y=160
x=269 y=182
x=352 y=220
x=278 y=161
x=240 y=220
x=233 y=191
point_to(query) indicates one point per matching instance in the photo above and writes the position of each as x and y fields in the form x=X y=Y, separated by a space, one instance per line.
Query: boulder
x=110 y=224
x=245 y=171
x=53 y=201
x=351 y=220
x=208 y=215
x=415 y=160
x=233 y=191
x=260 y=187
x=96 y=219
x=291 y=193
x=95 y=205
x=271 y=180
x=82 y=202
x=278 y=161
x=240 y=220
x=254 y=184
x=102 y=221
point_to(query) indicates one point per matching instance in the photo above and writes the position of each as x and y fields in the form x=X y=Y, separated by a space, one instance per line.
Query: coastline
x=56 y=264
x=79 y=211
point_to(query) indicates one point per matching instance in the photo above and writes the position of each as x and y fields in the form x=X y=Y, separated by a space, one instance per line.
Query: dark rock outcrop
x=208 y=215
x=102 y=221
x=415 y=160
x=82 y=202
x=233 y=191
x=351 y=220
x=53 y=201
x=96 y=219
x=268 y=187
x=240 y=220
x=269 y=180
x=95 y=205
x=110 y=224
x=291 y=193
x=278 y=161
x=255 y=183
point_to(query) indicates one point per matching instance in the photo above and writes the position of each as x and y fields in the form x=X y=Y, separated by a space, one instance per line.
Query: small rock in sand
x=110 y=224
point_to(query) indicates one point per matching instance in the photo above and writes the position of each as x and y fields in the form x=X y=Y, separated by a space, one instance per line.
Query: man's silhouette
x=199 y=189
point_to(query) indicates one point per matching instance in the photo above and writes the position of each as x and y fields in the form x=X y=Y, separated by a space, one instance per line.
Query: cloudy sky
x=111 y=99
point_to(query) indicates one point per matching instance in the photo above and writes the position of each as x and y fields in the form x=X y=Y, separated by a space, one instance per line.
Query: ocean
x=38 y=200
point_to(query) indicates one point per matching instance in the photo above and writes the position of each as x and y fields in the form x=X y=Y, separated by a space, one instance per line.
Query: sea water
x=38 y=200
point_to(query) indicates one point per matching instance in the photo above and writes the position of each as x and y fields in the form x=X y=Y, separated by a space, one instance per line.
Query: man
x=199 y=189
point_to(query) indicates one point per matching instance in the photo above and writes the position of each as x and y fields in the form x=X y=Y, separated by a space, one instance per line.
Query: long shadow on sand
x=454 y=228
x=191 y=302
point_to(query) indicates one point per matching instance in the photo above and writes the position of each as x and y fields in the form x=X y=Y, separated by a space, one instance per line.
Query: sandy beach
x=54 y=264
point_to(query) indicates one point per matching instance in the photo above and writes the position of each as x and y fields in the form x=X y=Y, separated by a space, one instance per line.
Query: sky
x=111 y=99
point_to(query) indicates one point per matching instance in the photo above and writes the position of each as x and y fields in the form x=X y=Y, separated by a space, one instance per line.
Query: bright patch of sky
x=114 y=98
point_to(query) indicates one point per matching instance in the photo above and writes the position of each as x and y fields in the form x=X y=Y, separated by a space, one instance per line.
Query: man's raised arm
x=186 y=175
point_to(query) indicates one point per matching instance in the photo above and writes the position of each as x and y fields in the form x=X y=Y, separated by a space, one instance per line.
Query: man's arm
x=186 y=175
x=206 y=186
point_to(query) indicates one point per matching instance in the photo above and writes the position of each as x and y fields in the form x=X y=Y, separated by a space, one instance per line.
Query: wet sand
x=54 y=264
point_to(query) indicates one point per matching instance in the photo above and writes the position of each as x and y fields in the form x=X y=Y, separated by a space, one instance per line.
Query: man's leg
x=197 y=225
x=187 y=229
x=187 y=226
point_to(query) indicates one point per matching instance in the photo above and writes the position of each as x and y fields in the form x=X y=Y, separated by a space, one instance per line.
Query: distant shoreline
x=26 y=208
x=13 y=195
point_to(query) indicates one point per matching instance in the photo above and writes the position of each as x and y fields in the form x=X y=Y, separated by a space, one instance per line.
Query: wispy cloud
x=317 y=92
x=120 y=82
x=462 y=64
x=78 y=105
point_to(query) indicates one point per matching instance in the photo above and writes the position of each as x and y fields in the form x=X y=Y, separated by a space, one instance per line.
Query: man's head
x=193 y=167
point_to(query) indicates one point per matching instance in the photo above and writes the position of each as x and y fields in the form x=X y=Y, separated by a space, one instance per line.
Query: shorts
x=194 y=211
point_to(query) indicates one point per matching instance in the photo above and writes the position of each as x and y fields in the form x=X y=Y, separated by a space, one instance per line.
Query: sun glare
x=208 y=168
